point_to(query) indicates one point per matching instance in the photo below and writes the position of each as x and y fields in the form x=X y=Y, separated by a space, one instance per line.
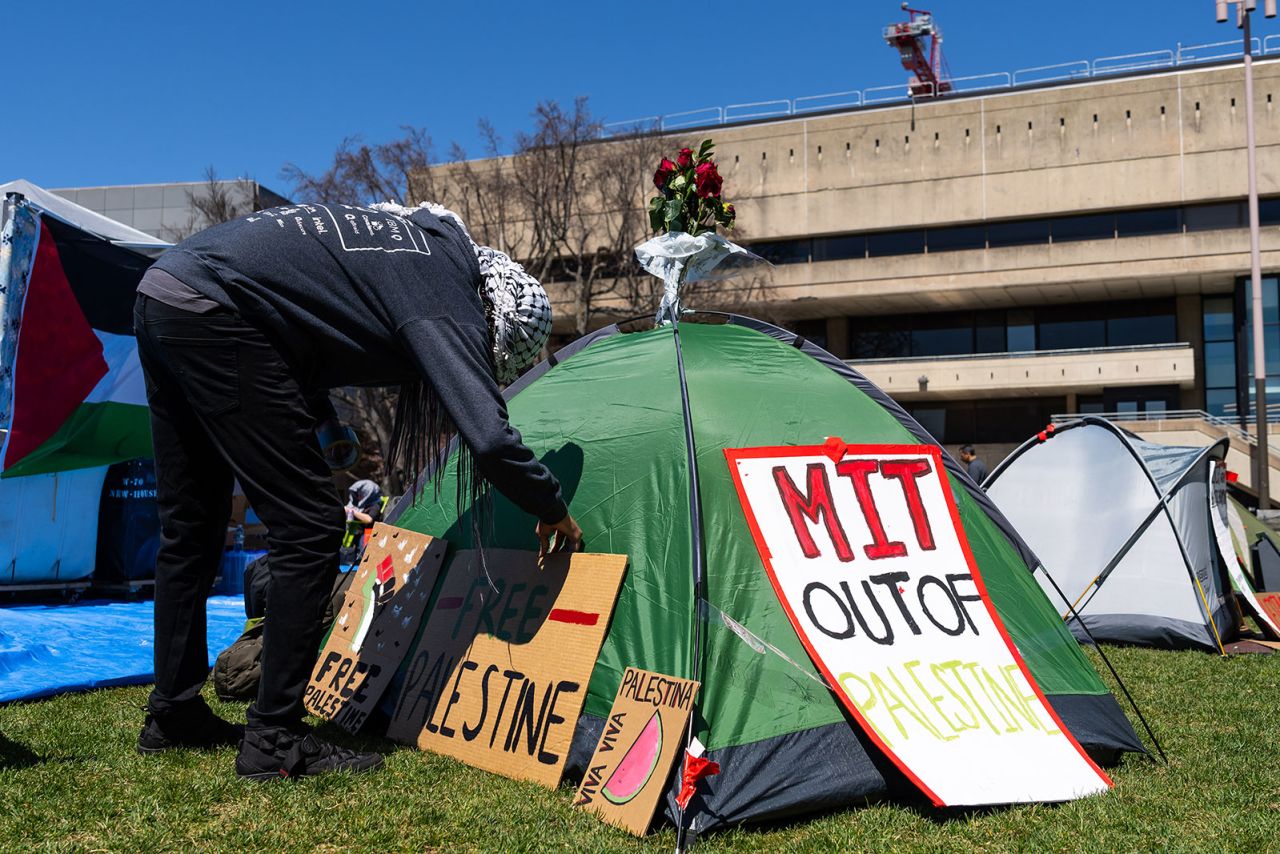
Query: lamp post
x=1261 y=461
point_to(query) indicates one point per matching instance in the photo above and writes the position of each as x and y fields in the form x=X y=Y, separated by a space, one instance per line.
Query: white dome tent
x=1124 y=533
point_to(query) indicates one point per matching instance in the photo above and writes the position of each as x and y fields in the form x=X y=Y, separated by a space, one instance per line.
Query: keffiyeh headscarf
x=518 y=309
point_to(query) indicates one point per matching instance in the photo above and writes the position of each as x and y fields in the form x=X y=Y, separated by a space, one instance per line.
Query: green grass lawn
x=70 y=779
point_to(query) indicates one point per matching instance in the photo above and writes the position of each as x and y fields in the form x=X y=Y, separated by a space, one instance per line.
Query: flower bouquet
x=684 y=215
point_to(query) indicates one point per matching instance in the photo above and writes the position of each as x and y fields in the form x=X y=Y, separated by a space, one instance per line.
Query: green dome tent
x=605 y=414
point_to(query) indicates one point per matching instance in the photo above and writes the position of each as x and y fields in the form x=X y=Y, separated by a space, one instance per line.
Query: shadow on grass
x=366 y=739
x=903 y=801
x=14 y=755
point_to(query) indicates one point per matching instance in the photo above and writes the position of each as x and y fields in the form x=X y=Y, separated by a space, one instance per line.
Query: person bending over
x=240 y=329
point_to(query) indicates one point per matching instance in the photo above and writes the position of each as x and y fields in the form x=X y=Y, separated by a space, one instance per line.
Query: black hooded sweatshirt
x=355 y=296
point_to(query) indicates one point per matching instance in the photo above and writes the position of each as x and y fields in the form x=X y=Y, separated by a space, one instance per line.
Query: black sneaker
x=193 y=726
x=278 y=753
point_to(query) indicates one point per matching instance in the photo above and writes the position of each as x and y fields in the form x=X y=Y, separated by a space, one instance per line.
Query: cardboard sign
x=500 y=673
x=1270 y=604
x=629 y=771
x=865 y=550
x=373 y=631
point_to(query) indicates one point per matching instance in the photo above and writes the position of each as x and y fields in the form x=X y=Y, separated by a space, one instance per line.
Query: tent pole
x=1128 y=545
x=1096 y=584
x=684 y=836
x=1097 y=646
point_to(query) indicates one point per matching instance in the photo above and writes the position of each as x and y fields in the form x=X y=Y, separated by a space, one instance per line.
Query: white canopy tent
x=85 y=219
x=49 y=522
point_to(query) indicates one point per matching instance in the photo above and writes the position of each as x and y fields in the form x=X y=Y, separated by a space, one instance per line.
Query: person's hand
x=564 y=535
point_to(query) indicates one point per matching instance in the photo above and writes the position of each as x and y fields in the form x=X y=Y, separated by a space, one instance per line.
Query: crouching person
x=240 y=330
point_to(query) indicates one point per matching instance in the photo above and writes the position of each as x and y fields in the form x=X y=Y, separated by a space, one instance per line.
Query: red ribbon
x=695 y=768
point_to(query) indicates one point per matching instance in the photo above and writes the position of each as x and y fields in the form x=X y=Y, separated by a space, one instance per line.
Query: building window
x=1135 y=324
x=1021 y=232
x=1017 y=233
x=1210 y=217
x=1150 y=221
x=946 y=336
x=1066 y=229
x=1271 y=338
x=1220 y=365
x=1133 y=400
x=1022 y=330
x=1268 y=212
x=1072 y=333
x=989 y=332
x=840 y=248
x=1219 y=355
x=812 y=330
x=783 y=251
x=1009 y=420
x=958 y=238
x=880 y=338
x=1113 y=324
x=895 y=243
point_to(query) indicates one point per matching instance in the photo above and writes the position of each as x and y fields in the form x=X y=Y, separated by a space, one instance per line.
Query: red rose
x=685 y=158
x=665 y=170
x=707 y=180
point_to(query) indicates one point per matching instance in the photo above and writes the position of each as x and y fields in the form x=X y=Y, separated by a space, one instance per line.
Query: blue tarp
x=53 y=649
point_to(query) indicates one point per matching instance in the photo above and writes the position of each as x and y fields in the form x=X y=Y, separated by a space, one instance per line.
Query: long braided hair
x=518 y=313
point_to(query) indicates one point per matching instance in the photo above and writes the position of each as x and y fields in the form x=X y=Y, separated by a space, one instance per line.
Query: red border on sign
x=732 y=455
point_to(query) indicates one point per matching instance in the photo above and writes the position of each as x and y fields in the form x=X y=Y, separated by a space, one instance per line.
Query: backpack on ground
x=238 y=670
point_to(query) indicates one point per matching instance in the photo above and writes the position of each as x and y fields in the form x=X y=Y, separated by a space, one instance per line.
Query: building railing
x=1229 y=426
x=1080 y=69
x=1026 y=354
x=1232 y=413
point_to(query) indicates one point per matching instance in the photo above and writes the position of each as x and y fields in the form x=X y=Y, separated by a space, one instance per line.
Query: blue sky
x=133 y=92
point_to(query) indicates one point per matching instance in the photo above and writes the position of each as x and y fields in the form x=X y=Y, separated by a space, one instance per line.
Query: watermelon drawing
x=637 y=766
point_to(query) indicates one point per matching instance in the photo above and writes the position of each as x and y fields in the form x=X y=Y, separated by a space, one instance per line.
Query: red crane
x=919 y=44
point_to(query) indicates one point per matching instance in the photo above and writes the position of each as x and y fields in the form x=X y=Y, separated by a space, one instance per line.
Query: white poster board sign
x=866 y=552
x=1221 y=513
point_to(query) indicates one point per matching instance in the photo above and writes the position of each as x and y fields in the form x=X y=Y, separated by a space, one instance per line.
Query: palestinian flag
x=71 y=389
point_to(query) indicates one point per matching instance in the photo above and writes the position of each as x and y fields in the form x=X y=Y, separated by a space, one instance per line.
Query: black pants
x=224 y=407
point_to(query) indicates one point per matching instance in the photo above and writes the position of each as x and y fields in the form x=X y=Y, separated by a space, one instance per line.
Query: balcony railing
x=1229 y=426
x=1025 y=354
x=1080 y=69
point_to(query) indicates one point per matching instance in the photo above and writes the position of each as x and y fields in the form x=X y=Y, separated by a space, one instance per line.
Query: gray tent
x=1123 y=531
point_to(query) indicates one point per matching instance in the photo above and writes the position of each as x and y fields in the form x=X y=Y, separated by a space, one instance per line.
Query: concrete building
x=992 y=260
x=170 y=211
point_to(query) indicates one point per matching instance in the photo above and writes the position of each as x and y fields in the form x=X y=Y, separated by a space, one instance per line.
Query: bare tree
x=371 y=412
x=213 y=201
x=362 y=174
x=567 y=203
x=572 y=206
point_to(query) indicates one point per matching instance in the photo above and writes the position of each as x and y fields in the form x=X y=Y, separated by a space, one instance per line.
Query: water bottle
x=239 y=540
